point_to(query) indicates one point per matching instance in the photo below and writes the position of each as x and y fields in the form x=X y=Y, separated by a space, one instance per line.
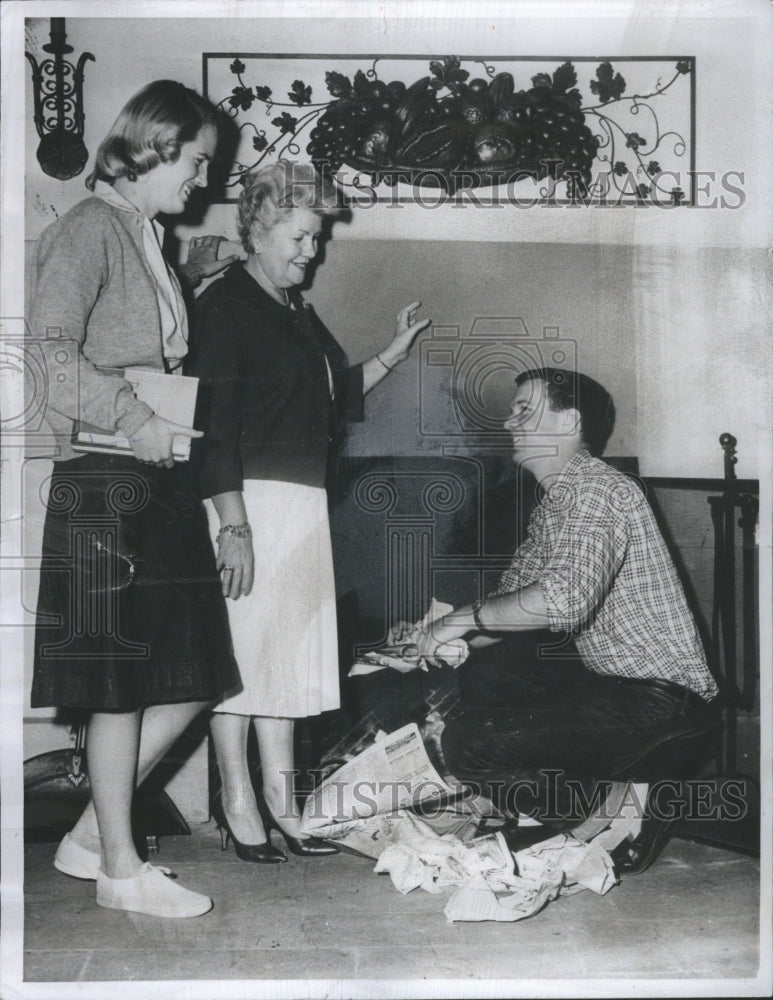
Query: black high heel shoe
x=262 y=854
x=305 y=847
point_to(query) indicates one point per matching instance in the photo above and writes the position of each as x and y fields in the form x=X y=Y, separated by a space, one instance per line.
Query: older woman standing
x=278 y=385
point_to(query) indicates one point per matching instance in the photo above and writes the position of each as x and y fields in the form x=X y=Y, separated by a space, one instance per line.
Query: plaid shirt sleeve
x=528 y=560
x=586 y=552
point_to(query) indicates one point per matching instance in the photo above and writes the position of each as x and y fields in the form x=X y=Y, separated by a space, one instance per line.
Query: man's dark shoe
x=633 y=857
x=518 y=837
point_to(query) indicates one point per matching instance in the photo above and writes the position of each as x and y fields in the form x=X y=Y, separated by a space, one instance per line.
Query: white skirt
x=285 y=632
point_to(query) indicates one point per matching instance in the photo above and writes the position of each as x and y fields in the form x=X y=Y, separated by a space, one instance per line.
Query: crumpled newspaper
x=418 y=857
x=476 y=900
x=403 y=657
x=556 y=867
x=488 y=884
x=587 y=865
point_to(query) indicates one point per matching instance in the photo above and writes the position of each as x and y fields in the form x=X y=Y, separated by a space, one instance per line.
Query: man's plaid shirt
x=594 y=547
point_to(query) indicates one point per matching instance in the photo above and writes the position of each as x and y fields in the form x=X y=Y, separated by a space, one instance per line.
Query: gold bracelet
x=382 y=363
x=476 y=606
x=237 y=530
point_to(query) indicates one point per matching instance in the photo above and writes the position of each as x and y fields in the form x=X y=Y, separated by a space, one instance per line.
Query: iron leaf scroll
x=565 y=129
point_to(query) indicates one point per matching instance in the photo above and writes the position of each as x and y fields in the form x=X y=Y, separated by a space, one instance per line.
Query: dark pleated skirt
x=130 y=611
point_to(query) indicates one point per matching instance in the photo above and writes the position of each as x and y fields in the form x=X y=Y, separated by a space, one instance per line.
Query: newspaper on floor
x=362 y=807
x=369 y=805
x=490 y=882
x=459 y=815
x=392 y=773
x=558 y=866
x=417 y=857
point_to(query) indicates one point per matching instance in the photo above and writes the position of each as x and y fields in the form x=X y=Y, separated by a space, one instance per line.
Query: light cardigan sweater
x=94 y=305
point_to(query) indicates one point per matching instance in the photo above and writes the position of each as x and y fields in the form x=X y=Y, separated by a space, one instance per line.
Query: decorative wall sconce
x=58 y=91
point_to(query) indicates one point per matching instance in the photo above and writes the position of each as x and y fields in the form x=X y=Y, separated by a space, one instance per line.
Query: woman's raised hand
x=154 y=441
x=406 y=329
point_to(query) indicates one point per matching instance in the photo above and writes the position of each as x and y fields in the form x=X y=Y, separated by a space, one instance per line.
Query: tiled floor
x=693 y=915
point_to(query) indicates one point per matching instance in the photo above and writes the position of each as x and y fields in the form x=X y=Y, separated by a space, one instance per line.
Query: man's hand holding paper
x=404 y=650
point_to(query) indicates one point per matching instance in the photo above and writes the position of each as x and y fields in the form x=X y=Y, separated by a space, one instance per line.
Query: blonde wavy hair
x=271 y=194
x=150 y=129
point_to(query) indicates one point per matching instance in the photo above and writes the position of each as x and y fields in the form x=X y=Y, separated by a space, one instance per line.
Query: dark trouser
x=543 y=736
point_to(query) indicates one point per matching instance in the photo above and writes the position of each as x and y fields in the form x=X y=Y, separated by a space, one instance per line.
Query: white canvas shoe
x=151 y=892
x=76 y=861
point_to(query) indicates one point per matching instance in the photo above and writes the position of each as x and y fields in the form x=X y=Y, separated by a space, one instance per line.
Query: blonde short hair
x=271 y=194
x=149 y=130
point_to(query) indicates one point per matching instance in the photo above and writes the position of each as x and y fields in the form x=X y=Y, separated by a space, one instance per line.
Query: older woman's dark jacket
x=264 y=399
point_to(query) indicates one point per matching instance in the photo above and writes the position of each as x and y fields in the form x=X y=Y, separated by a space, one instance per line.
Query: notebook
x=172 y=397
